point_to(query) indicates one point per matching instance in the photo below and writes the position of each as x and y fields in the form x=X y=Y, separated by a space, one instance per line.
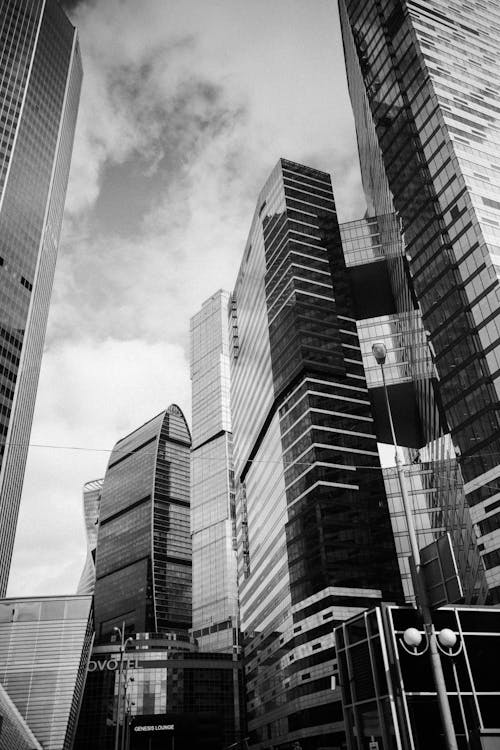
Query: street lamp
x=128 y=716
x=380 y=353
x=123 y=645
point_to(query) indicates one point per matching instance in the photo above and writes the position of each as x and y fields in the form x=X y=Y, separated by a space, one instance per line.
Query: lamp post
x=127 y=711
x=123 y=646
x=380 y=352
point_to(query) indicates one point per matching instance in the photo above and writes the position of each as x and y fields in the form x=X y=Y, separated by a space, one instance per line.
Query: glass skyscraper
x=91 y=503
x=143 y=564
x=40 y=79
x=143 y=558
x=313 y=530
x=215 y=595
x=423 y=80
x=386 y=310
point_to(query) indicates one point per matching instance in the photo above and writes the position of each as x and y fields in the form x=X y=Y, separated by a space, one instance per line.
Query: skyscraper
x=385 y=309
x=143 y=579
x=423 y=84
x=313 y=529
x=40 y=79
x=215 y=595
x=143 y=559
x=91 y=502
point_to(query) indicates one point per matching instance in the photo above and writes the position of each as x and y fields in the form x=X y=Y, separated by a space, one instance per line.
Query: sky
x=186 y=107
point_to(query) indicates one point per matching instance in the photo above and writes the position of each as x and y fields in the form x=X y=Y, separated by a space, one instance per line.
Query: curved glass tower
x=91 y=503
x=40 y=79
x=143 y=561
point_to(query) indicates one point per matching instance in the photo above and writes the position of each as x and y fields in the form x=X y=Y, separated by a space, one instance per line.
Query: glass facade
x=45 y=646
x=215 y=595
x=313 y=529
x=388 y=694
x=374 y=253
x=143 y=557
x=422 y=78
x=40 y=80
x=161 y=675
x=438 y=503
x=91 y=502
x=14 y=732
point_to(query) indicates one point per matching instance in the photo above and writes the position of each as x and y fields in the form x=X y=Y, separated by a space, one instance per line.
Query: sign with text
x=111 y=665
x=184 y=731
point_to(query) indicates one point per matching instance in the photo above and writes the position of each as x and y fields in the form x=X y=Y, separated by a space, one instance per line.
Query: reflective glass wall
x=40 y=80
x=313 y=528
x=143 y=557
x=422 y=78
x=14 y=732
x=215 y=596
x=44 y=651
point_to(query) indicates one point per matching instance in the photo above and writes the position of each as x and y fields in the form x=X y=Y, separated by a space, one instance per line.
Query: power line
x=286 y=465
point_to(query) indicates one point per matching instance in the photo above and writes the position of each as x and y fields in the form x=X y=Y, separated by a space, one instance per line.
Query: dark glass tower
x=423 y=80
x=313 y=528
x=143 y=561
x=40 y=79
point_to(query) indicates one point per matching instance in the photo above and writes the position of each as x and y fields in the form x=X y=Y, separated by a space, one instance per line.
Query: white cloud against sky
x=186 y=107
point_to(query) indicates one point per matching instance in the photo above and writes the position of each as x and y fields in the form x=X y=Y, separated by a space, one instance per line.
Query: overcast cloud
x=186 y=107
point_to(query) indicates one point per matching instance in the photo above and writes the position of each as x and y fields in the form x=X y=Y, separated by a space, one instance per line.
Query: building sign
x=154 y=728
x=100 y=665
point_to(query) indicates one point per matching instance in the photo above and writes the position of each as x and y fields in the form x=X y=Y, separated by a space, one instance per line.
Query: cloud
x=90 y=396
x=186 y=107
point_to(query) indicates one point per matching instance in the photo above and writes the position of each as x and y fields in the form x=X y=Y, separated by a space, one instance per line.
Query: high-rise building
x=386 y=310
x=215 y=595
x=165 y=680
x=40 y=79
x=45 y=646
x=143 y=580
x=91 y=502
x=143 y=558
x=313 y=530
x=423 y=84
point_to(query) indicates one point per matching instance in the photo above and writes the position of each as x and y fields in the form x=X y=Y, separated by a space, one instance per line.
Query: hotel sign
x=111 y=665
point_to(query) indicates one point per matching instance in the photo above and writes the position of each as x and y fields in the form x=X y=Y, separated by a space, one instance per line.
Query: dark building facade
x=423 y=81
x=143 y=556
x=313 y=528
x=40 y=79
x=387 y=689
x=165 y=681
x=387 y=310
